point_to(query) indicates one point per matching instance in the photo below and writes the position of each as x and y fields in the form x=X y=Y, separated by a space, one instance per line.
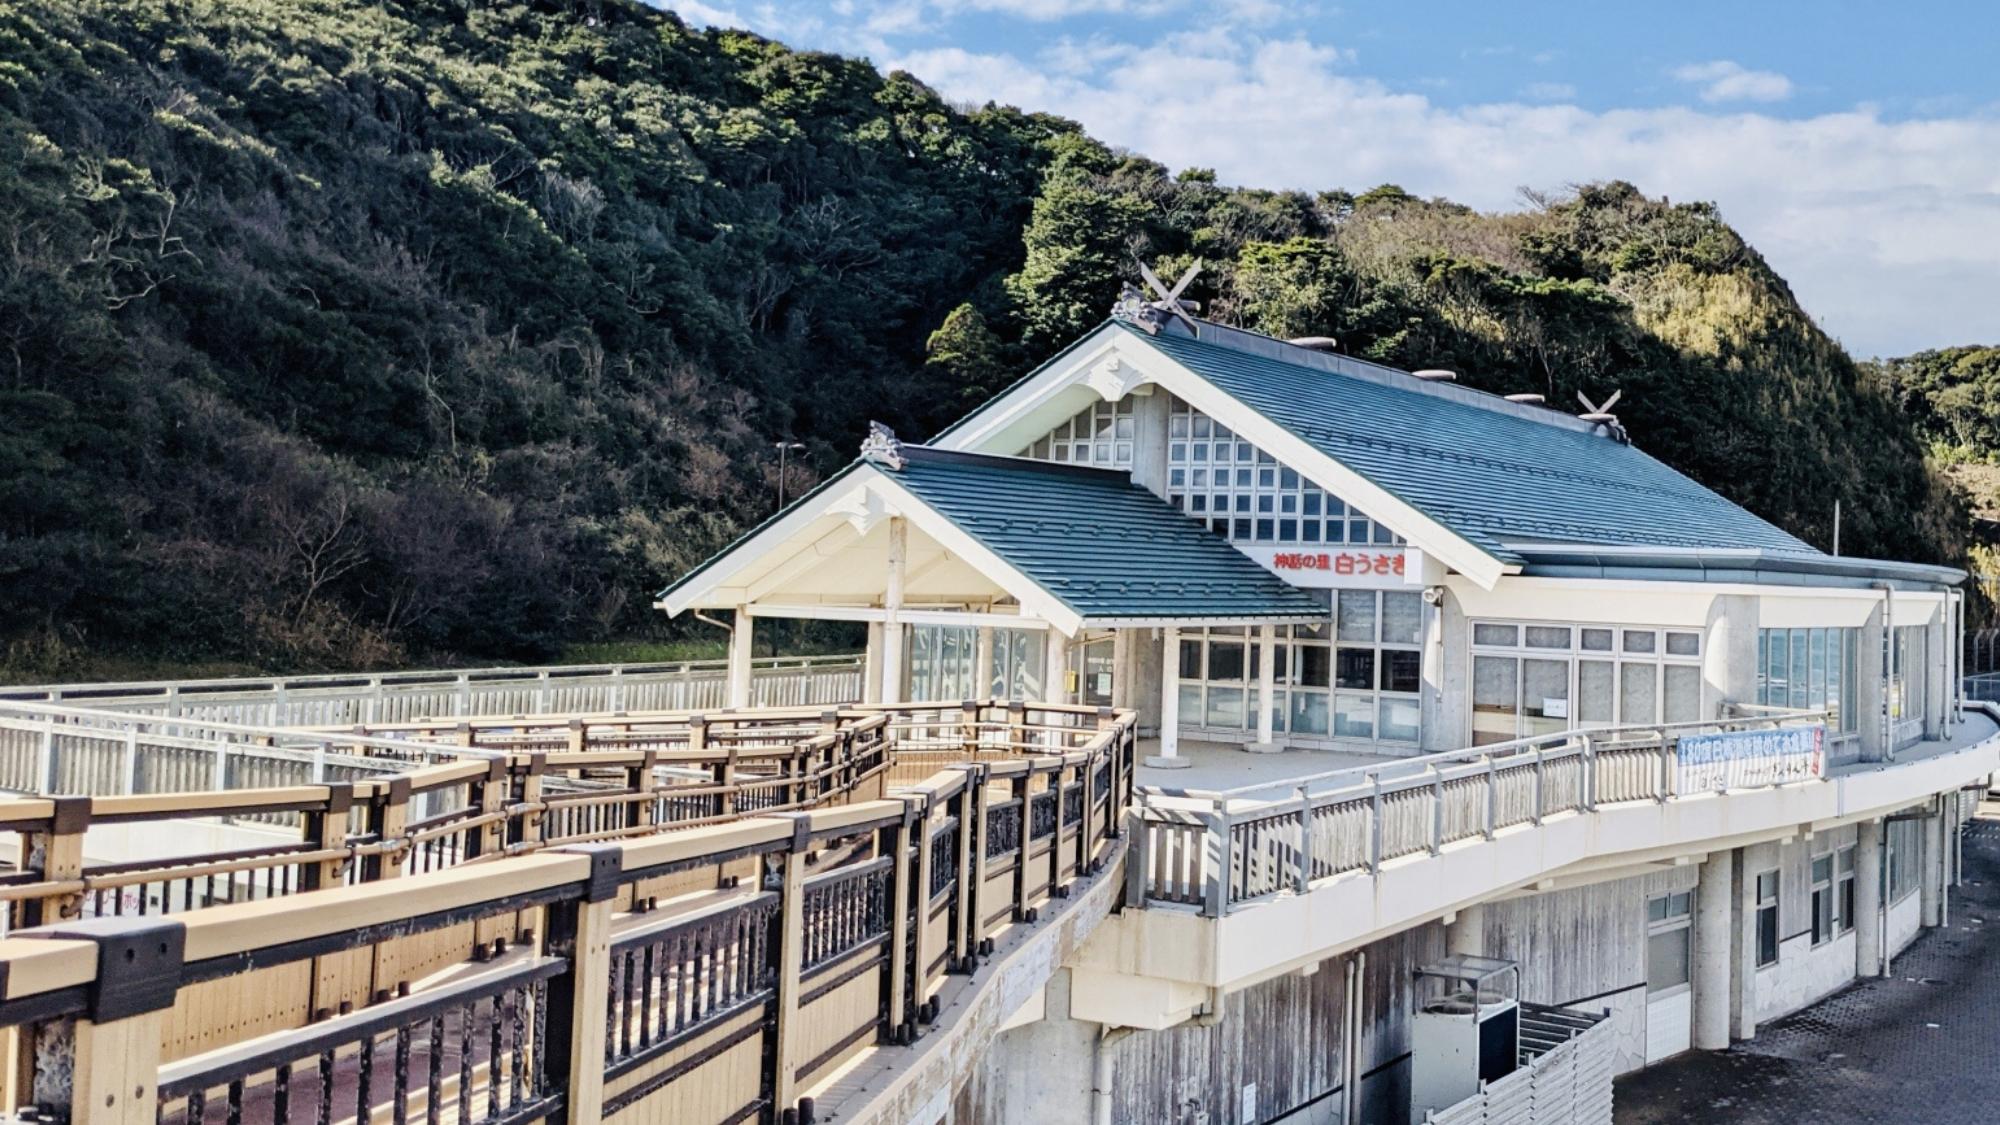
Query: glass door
x=1091 y=670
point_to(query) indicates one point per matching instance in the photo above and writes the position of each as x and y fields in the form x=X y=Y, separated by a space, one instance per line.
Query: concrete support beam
x=983 y=672
x=871 y=668
x=1121 y=668
x=1868 y=899
x=1467 y=933
x=1170 y=702
x=1056 y=660
x=1149 y=440
x=1743 y=951
x=1267 y=687
x=741 y=650
x=1729 y=658
x=1937 y=657
x=1712 y=947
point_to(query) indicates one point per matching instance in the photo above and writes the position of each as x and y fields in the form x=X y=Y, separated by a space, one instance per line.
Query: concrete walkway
x=1918 y=1046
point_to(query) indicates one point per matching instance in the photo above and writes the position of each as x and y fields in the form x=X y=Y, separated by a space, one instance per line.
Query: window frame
x=1640 y=647
x=1673 y=922
x=1767 y=910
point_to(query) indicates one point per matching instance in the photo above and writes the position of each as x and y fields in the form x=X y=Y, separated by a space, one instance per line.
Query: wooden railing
x=1218 y=850
x=715 y=972
x=393 y=697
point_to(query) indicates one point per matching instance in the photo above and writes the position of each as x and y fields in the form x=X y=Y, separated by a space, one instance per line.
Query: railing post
x=132 y=760
x=1437 y=811
x=1375 y=824
x=781 y=1069
x=541 y=693
x=113 y=1056
x=968 y=729
x=1587 y=783
x=61 y=848
x=1138 y=859
x=461 y=703
x=530 y=830
x=575 y=739
x=1492 y=798
x=490 y=795
x=1058 y=886
x=579 y=931
x=1216 y=881
x=1664 y=788
x=1019 y=787
x=971 y=867
x=373 y=711
x=1541 y=783
x=896 y=982
x=639 y=779
x=1017 y=726
x=920 y=940
x=1303 y=881
x=388 y=812
x=325 y=829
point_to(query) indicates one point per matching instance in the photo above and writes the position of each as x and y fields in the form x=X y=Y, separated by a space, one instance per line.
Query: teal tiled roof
x=1493 y=474
x=1105 y=547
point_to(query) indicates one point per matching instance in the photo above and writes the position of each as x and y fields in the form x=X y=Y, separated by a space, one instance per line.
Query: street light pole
x=784 y=449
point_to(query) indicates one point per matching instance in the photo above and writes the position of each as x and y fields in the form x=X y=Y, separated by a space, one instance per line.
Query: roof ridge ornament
x=1150 y=316
x=1602 y=416
x=880 y=447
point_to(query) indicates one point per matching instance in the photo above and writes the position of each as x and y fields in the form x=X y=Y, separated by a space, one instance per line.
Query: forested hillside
x=336 y=333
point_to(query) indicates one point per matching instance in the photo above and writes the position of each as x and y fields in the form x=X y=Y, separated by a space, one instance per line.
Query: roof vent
x=1436 y=375
x=1315 y=343
x=1528 y=400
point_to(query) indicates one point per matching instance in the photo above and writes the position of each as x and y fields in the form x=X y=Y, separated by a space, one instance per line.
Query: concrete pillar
x=1170 y=702
x=1467 y=933
x=1712 y=947
x=1743 y=951
x=1445 y=707
x=871 y=667
x=1930 y=869
x=983 y=673
x=740 y=653
x=1267 y=687
x=892 y=601
x=1729 y=654
x=1937 y=697
x=1121 y=668
x=1869 y=701
x=1056 y=660
x=1150 y=409
x=1868 y=899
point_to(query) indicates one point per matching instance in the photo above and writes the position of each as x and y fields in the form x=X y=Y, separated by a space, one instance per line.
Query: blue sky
x=1856 y=145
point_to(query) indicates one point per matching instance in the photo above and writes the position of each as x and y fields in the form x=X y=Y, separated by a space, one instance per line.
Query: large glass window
x=1215 y=475
x=944 y=664
x=1355 y=676
x=1809 y=670
x=1905 y=850
x=1532 y=679
x=1669 y=928
x=1099 y=435
x=1822 y=899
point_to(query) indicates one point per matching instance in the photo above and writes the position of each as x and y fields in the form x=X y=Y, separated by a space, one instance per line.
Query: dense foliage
x=338 y=333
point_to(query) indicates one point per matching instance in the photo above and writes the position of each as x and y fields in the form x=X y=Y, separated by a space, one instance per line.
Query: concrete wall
x=1275 y=1054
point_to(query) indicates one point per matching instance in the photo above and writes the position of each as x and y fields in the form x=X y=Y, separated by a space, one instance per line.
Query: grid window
x=1809 y=670
x=1355 y=676
x=1843 y=890
x=1099 y=435
x=1532 y=679
x=1822 y=899
x=1212 y=469
x=1767 y=919
x=1669 y=928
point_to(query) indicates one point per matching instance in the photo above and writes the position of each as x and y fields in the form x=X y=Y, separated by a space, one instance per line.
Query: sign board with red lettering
x=1357 y=567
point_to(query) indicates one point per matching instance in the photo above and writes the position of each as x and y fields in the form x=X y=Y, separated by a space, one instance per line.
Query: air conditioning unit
x=1466 y=1029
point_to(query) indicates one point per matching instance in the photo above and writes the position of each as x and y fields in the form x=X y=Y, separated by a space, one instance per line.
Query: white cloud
x=1889 y=230
x=1726 y=81
x=1549 y=91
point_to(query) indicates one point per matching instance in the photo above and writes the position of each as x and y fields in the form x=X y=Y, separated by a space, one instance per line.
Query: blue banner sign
x=1749 y=759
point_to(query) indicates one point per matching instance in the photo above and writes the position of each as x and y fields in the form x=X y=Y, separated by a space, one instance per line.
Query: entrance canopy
x=934 y=536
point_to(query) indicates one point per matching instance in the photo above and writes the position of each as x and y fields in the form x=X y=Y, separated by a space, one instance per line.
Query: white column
x=892 y=601
x=1930 y=871
x=982 y=664
x=1267 y=685
x=1711 y=951
x=871 y=668
x=1056 y=660
x=740 y=652
x=1121 y=667
x=1868 y=899
x=1466 y=933
x=1170 y=702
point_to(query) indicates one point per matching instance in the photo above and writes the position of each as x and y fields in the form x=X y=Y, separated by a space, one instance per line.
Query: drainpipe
x=1100 y=1073
x=1888 y=668
x=1350 y=1039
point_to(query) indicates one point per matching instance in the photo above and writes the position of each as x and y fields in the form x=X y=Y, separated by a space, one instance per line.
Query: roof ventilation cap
x=1436 y=375
x=1528 y=400
x=1315 y=343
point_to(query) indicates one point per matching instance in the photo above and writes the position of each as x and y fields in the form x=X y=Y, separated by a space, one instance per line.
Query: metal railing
x=1567 y=1062
x=344 y=699
x=1216 y=850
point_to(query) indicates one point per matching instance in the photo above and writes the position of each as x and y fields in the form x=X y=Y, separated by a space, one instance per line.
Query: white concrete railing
x=1216 y=851
x=53 y=750
x=1565 y=1080
x=345 y=699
